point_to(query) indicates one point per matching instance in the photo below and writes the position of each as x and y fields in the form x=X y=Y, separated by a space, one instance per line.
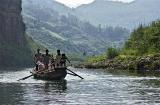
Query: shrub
x=112 y=53
x=95 y=59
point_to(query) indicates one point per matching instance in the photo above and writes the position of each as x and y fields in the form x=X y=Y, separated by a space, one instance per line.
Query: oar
x=26 y=77
x=74 y=74
x=71 y=74
x=30 y=75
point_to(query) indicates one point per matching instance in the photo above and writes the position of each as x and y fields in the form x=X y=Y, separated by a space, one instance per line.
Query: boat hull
x=52 y=74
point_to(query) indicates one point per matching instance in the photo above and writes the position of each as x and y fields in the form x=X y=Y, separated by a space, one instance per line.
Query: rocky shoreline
x=149 y=63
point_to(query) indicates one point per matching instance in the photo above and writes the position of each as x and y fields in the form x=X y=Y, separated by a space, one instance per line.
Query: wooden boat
x=50 y=74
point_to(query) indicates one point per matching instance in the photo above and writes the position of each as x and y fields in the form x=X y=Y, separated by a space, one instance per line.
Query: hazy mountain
x=59 y=29
x=127 y=15
x=49 y=4
x=111 y=13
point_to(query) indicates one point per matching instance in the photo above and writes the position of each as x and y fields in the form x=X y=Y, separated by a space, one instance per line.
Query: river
x=98 y=88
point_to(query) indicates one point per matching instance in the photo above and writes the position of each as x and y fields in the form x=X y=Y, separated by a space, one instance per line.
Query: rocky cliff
x=14 y=48
x=12 y=27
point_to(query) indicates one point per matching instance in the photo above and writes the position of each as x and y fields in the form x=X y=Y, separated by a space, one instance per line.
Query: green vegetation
x=112 y=53
x=140 y=52
x=95 y=59
x=33 y=45
x=143 y=41
x=76 y=57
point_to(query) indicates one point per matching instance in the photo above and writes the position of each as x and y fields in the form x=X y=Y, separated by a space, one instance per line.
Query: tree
x=112 y=53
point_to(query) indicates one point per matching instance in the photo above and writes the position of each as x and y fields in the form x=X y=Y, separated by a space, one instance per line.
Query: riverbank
x=141 y=53
x=148 y=63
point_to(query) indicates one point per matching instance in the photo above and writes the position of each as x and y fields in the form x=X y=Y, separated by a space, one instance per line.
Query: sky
x=76 y=3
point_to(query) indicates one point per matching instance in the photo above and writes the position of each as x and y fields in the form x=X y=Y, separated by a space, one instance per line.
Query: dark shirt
x=46 y=59
x=64 y=58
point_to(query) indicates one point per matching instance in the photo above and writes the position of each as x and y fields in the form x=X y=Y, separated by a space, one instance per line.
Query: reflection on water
x=99 y=87
x=59 y=86
x=17 y=93
x=11 y=94
x=45 y=93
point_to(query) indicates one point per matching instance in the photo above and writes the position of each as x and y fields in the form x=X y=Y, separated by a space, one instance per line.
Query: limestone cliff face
x=12 y=27
x=14 y=50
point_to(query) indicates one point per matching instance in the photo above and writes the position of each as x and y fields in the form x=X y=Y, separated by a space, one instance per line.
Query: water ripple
x=98 y=88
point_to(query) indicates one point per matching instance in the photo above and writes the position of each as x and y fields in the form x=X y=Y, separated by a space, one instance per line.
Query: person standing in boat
x=46 y=59
x=52 y=61
x=37 y=57
x=64 y=58
x=58 y=58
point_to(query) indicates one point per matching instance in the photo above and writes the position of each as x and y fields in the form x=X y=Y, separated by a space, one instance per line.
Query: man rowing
x=43 y=60
x=46 y=59
x=37 y=57
x=63 y=60
x=58 y=58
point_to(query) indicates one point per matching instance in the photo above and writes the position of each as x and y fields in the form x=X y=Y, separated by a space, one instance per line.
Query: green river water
x=98 y=88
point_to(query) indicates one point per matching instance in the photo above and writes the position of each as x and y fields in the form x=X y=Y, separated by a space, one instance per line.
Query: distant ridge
x=128 y=15
x=62 y=25
x=57 y=27
x=74 y=5
x=111 y=13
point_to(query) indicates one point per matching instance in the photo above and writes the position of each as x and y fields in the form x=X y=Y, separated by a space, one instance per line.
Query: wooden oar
x=26 y=77
x=71 y=74
x=31 y=75
x=74 y=74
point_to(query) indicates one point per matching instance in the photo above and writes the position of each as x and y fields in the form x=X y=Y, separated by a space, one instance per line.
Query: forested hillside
x=66 y=32
x=141 y=52
x=145 y=40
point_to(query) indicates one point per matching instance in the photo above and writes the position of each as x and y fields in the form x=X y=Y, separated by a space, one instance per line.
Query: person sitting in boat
x=58 y=58
x=41 y=66
x=52 y=62
x=46 y=59
x=64 y=58
x=37 y=57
